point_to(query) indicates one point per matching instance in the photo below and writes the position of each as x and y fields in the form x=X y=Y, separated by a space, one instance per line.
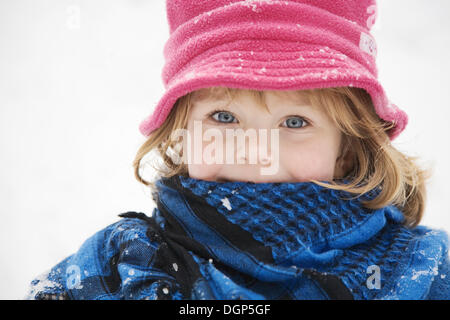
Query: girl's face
x=307 y=146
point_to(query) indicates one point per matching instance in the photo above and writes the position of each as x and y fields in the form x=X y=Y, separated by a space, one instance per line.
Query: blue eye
x=294 y=122
x=224 y=116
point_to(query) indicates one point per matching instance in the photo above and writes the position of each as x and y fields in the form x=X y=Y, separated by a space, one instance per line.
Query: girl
x=329 y=209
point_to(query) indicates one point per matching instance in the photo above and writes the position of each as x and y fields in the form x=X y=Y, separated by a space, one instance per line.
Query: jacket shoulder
x=422 y=266
x=102 y=263
x=437 y=241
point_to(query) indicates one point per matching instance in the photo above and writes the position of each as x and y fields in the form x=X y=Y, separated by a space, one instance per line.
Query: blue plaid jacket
x=236 y=240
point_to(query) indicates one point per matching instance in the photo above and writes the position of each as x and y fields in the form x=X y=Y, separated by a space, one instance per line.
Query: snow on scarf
x=239 y=240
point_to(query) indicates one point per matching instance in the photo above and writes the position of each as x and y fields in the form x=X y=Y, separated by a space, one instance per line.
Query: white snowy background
x=78 y=76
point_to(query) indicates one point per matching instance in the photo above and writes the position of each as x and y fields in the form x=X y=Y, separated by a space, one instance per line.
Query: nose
x=257 y=154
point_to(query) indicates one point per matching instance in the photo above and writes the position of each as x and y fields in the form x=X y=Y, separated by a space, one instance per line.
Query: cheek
x=306 y=161
x=197 y=167
x=204 y=171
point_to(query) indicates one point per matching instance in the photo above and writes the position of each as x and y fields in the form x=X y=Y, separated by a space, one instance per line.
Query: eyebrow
x=226 y=103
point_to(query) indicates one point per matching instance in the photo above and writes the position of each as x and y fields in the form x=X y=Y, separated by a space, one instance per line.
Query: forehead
x=262 y=97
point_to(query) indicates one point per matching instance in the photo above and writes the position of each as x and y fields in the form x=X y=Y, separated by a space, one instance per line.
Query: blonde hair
x=375 y=162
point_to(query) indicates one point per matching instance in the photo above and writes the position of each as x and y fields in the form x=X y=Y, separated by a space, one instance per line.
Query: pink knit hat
x=271 y=45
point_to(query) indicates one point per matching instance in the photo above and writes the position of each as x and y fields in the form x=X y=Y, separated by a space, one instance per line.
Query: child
x=329 y=209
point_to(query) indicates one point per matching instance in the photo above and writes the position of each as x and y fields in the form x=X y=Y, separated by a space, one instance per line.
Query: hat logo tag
x=367 y=44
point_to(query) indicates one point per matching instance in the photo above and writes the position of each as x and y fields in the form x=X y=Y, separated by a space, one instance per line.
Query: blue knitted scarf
x=255 y=240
